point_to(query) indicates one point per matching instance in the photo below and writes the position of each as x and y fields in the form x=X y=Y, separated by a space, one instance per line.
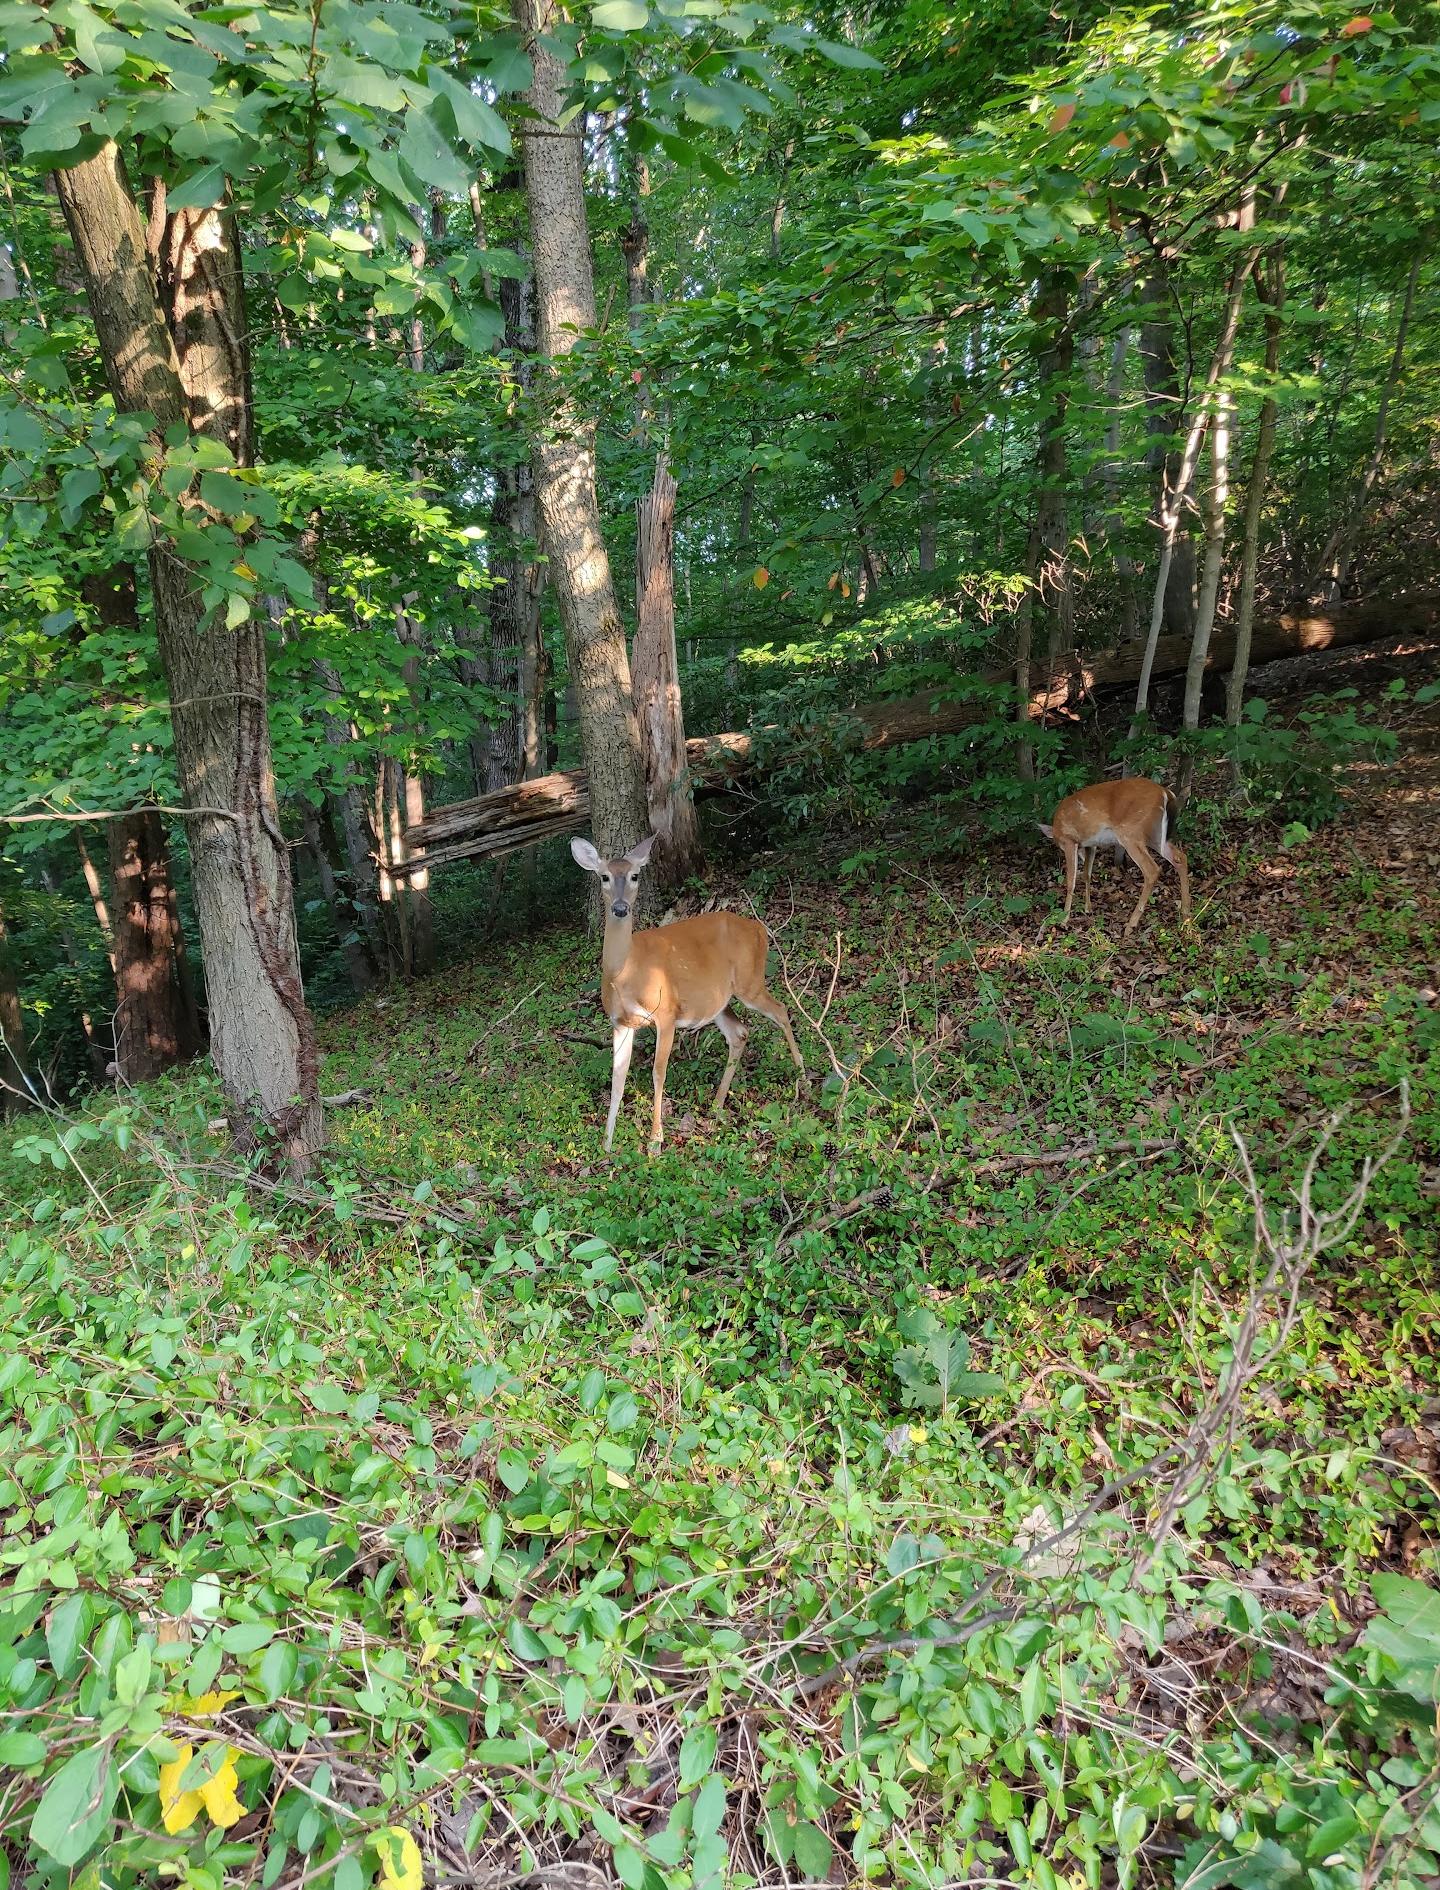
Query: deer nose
x=620 y=909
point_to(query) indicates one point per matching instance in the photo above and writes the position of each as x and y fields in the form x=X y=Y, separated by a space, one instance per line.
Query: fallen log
x=523 y=816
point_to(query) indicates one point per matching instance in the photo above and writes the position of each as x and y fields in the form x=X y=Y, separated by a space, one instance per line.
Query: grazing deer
x=1133 y=816
x=681 y=976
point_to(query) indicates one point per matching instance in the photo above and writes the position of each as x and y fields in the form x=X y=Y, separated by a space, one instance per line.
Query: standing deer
x=1132 y=816
x=681 y=976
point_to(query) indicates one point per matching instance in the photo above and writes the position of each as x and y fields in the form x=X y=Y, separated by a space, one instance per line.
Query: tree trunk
x=96 y=891
x=1333 y=564
x=186 y=364
x=420 y=958
x=656 y=681
x=1024 y=645
x=1114 y=521
x=1217 y=500
x=1165 y=410
x=1273 y=296
x=563 y=452
x=1174 y=497
x=17 y=1091
x=867 y=582
x=495 y=824
x=153 y=1029
x=1053 y=587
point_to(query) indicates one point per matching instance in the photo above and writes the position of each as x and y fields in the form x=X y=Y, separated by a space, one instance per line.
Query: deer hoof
x=654 y=1148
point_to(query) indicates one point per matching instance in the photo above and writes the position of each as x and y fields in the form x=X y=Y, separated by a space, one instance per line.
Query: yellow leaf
x=1121 y=141
x=218 y=1794
x=832 y=581
x=400 y=1867
x=205 y=1705
x=762 y=578
x=178 y=1810
x=1061 y=117
x=897 y=478
x=244 y=570
x=616 y=1481
x=1352 y=29
x=844 y=590
x=918 y=1433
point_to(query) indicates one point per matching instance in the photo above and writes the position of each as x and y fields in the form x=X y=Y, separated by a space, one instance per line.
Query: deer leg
x=735 y=1032
x=1089 y=869
x=1145 y=861
x=664 y=1043
x=773 y=1009
x=1176 y=856
x=1072 y=856
x=619 y=1069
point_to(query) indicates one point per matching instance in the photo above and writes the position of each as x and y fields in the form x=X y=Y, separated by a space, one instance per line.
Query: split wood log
x=532 y=811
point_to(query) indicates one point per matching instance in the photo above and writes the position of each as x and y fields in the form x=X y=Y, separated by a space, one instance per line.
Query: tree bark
x=1114 y=520
x=1165 y=409
x=153 y=1028
x=1024 y=646
x=656 y=681
x=420 y=957
x=1272 y=294
x=95 y=887
x=1053 y=587
x=186 y=364
x=17 y=1091
x=501 y=823
x=563 y=453
x=1174 y=496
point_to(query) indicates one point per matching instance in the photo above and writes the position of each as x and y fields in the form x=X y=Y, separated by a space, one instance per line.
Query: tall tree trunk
x=185 y=363
x=96 y=1052
x=657 y=685
x=153 y=1029
x=1332 y=567
x=420 y=959
x=654 y=663
x=1114 y=522
x=1217 y=500
x=1024 y=646
x=514 y=751
x=1053 y=587
x=17 y=1089
x=1272 y=294
x=563 y=454
x=1163 y=460
x=867 y=581
x=96 y=889
x=1174 y=497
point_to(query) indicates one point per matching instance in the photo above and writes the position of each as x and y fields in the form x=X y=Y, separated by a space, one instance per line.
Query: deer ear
x=640 y=852
x=1049 y=832
x=584 y=854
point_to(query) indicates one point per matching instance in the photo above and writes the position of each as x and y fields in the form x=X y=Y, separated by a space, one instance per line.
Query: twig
x=119 y=813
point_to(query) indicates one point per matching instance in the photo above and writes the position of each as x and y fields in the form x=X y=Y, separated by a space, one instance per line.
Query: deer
x=677 y=977
x=1133 y=816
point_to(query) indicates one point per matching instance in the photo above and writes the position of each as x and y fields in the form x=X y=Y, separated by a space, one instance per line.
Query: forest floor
x=786 y=1506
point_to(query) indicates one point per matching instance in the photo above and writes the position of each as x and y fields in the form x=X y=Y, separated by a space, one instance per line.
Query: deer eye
x=634 y=879
x=604 y=879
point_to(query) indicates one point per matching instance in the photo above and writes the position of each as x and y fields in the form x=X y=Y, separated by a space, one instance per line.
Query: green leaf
x=247 y=1637
x=76 y=489
x=813 y=1850
x=76 y=1807
x=622 y=1413
x=620 y=16
x=697 y=1755
x=200 y=191
x=429 y=154
x=21 y=1748
x=525 y=1642
x=65 y=1632
x=1331 y=1836
x=513 y=1470
x=708 y=1813
x=509 y=68
x=839 y=54
x=476 y=122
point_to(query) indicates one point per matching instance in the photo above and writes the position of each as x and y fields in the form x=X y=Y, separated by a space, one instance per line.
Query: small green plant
x=934 y=1366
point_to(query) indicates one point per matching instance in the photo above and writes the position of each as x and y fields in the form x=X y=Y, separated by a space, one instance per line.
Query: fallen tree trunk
x=532 y=811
